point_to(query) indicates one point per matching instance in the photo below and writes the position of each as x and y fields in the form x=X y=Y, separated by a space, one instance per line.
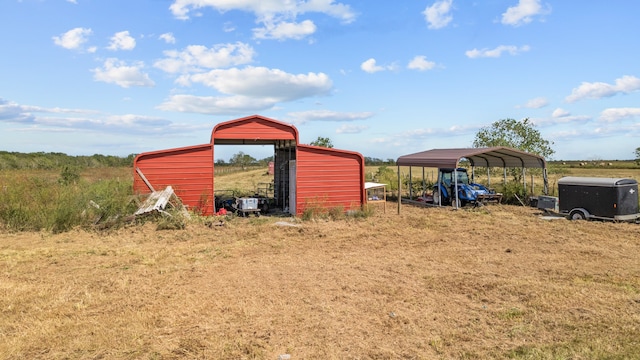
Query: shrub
x=512 y=191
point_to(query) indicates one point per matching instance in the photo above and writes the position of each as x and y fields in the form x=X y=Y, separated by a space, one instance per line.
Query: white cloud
x=421 y=63
x=285 y=30
x=561 y=116
x=598 y=90
x=73 y=1
x=228 y=27
x=82 y=119
x=523 y=12
x=535 y=103
x=302 y=117
x=277 y=16
x=12 y=112
x=497 y=52
x=198 y=57
x=122 y=41
x=438 y=14
x=558 y=113
x=118 y=72
x=261 y=82
x=371 y=66
x=131 y=120
x=351 y=129
x=73 y=39
x=455 y=130
x=213 y=105
x=615 y=114
x=266 y=8
x=168 y=38
x=249 y=89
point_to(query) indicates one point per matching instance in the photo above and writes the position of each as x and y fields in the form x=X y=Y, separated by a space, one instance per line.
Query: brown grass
x=494 y=282
x=491 y=282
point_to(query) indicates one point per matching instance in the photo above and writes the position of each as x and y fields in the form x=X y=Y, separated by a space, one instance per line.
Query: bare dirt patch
x=492 y=282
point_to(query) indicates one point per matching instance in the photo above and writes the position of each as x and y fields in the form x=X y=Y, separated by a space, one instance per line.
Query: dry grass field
x=475 y=283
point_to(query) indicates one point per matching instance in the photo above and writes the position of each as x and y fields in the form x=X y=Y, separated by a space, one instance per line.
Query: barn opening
x=274 y=188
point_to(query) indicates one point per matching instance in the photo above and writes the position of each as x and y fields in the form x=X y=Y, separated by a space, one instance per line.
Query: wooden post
x=144 y=178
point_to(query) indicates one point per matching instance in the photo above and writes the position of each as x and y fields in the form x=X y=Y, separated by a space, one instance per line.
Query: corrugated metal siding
x=329 y=178
x=254 y=128
x=188 y=170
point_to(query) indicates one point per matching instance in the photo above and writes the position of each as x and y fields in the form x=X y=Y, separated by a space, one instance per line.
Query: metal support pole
x=399 y=188
x=410 y=185
x=424 y=183
x=455 y=182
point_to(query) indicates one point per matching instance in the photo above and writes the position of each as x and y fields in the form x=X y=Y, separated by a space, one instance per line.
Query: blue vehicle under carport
x=450 y=179
x=487 y=158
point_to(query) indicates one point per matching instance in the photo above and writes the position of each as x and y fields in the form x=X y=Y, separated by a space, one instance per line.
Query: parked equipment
x=444 y=192
x=246 y=205
x=583 y=198
x=241 y=206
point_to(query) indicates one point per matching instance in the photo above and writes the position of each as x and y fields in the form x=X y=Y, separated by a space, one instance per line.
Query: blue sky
x=384 y=78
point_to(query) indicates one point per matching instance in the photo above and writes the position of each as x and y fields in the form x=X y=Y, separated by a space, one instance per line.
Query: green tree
x=322 y=141
x=638 y=155
x=242 y=159
x=520 y=135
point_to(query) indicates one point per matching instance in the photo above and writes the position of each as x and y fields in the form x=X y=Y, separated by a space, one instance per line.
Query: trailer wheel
x=577 y=214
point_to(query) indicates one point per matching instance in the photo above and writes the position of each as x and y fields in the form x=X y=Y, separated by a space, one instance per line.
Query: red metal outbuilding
x=304 y=175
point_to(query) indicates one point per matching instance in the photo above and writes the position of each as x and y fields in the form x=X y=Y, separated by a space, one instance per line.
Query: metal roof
x=373 y=185
x=595 y=181
x=499 y=156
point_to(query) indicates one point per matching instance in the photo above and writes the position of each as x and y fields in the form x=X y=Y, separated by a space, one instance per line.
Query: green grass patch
x=34 y=202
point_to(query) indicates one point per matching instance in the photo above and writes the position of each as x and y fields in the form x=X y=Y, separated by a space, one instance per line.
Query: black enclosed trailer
x=584 y=198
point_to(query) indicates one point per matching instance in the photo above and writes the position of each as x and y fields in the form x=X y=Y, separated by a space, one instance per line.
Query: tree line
x=520 y=135
x=55 y=160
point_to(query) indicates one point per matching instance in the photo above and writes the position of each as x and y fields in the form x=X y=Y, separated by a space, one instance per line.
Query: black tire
x=577 y=215
x=436 y=196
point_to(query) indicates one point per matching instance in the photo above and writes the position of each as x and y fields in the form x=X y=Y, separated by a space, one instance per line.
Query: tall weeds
x=42 y=201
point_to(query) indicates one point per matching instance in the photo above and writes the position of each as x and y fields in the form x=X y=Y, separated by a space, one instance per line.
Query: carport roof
x=487 y=157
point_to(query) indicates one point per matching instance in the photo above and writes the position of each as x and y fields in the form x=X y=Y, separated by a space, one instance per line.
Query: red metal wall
x=188 y=170
x=329 y=178
x=253 y=129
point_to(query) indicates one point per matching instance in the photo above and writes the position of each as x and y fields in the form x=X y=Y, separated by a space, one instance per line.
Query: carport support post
x=424 y=184
x=399 y=188
x=410 y=185
x=504 y=179
x=455 y=183
x=524 y=179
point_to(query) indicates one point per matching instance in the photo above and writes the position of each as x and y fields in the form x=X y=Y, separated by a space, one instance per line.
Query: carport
x=488 y=157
